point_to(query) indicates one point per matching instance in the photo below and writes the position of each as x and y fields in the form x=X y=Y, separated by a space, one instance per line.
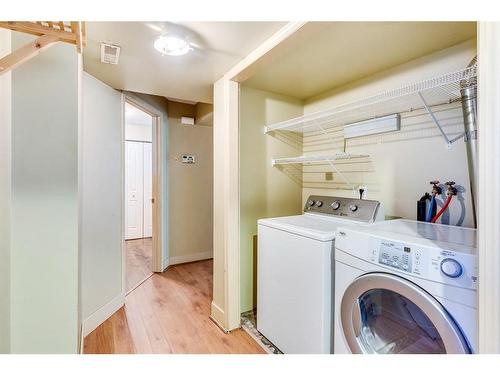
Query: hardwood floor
x=138 y=261
x=169 y=313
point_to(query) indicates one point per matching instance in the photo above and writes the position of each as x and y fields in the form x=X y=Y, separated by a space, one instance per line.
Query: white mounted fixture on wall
x=187 y=120
x=373 y=126
x=172 y=45
x=110 y=53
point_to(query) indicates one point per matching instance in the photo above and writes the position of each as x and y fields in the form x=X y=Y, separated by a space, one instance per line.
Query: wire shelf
x=310 y=159
x=440 y=90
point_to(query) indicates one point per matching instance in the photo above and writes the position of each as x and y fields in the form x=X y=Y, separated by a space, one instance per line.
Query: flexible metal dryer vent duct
x=468 y=90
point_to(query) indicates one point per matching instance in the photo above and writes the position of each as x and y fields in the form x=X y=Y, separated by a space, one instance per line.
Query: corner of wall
x=5 y=193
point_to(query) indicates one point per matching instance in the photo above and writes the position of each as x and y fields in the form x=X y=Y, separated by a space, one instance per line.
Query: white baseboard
x=100 y=316
x=190 y=257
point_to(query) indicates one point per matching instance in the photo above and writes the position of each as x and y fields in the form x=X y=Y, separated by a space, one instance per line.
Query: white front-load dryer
x=294 y=272
x=405 y=287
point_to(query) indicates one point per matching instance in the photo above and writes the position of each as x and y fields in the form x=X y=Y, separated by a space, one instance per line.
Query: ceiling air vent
x=109 y=53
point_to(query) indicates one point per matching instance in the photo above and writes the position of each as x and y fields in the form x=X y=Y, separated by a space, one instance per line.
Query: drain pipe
x=468 y=91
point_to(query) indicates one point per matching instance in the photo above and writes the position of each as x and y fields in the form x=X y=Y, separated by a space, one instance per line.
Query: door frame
x=156 y=261
x=489 y=180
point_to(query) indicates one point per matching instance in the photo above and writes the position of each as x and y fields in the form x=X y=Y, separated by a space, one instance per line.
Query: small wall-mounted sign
x=188 y=159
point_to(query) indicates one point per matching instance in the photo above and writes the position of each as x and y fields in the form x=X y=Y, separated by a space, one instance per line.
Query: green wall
x=265 y=191
x=44 y=257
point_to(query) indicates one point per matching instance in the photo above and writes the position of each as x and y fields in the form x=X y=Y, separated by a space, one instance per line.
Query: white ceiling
x=135 y=116
x=218 y=46
x=336 y=53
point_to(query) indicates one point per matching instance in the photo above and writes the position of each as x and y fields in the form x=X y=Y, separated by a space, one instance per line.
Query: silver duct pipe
x=468 y=90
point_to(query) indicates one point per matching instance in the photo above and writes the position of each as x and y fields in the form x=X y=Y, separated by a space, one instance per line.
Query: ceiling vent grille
x=109 y=53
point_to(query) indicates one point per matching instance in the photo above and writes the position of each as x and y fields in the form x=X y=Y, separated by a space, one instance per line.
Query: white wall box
x=377 y=125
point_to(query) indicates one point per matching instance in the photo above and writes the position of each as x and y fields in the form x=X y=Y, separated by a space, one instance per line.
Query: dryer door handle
x=356 y=318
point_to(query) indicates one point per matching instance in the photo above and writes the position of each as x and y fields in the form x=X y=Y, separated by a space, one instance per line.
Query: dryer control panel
x=362 y=210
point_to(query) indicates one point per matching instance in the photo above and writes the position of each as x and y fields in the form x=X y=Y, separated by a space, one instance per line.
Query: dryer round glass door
x=383 y=313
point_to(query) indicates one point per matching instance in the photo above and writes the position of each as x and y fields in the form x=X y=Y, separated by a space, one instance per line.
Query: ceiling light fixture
x=172 y=45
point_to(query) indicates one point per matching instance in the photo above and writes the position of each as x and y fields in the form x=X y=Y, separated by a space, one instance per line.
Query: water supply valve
x=436 y=189
x=451 y=190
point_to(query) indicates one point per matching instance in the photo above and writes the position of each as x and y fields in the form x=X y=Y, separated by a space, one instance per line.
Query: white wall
x=190 y=187
x=265 y=191
x=138 y=124
x=44 y=258
x=5 y=194
x=402 y=163
x=138 y=132
x=101 y=205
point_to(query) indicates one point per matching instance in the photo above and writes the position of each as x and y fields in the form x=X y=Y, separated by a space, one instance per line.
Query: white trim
x=247 y=67
x=122 y=159
x=82 y=341
x=217 y=315
x=164 y=264
x=489 y=181
x=101 y=315
x=190 y=258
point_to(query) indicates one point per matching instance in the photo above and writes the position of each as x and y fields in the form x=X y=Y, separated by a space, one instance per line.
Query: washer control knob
x=319 y=203
x=451 y=268
x=335 y=205
x=353 y=207
x=310 y=202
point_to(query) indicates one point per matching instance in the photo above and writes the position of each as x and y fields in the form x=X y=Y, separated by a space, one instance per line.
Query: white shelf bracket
x=435 y=120
x=341 y=175
x=323 y=130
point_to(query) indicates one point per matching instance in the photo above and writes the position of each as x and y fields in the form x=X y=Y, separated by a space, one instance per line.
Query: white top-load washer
x=405 y=287
x=294 y=272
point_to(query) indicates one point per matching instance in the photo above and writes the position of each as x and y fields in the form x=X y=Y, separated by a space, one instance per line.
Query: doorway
x=141 y=245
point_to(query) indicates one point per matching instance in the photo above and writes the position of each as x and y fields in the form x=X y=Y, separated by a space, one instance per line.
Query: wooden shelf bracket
x=49 y=33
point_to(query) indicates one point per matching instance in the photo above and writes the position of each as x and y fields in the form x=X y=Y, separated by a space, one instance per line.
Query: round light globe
x=172 y=45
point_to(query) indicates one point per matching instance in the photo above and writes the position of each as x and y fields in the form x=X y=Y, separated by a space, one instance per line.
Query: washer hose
x=443 y=209
x=428 y=217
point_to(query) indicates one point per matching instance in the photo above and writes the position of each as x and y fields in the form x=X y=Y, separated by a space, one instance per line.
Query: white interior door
x=148 y=190
x=134 y=190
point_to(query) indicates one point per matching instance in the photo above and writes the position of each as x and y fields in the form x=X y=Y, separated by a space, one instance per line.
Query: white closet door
x=148 y=190
x=134 y=190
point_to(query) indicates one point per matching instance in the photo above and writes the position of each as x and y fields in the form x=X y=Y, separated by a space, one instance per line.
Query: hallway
x=169 y=313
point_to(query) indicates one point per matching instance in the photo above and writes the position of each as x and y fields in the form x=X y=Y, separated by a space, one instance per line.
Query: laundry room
x=350 y=110
x=257 y=187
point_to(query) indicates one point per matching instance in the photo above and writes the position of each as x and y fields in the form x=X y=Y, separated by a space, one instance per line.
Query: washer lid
x=313 y=226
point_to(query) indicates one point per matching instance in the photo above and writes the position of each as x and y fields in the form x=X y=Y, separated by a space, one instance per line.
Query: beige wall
x=190 y=187
x=45 y=212
x=401 y=163
x=265 y=191
x=5 y=194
